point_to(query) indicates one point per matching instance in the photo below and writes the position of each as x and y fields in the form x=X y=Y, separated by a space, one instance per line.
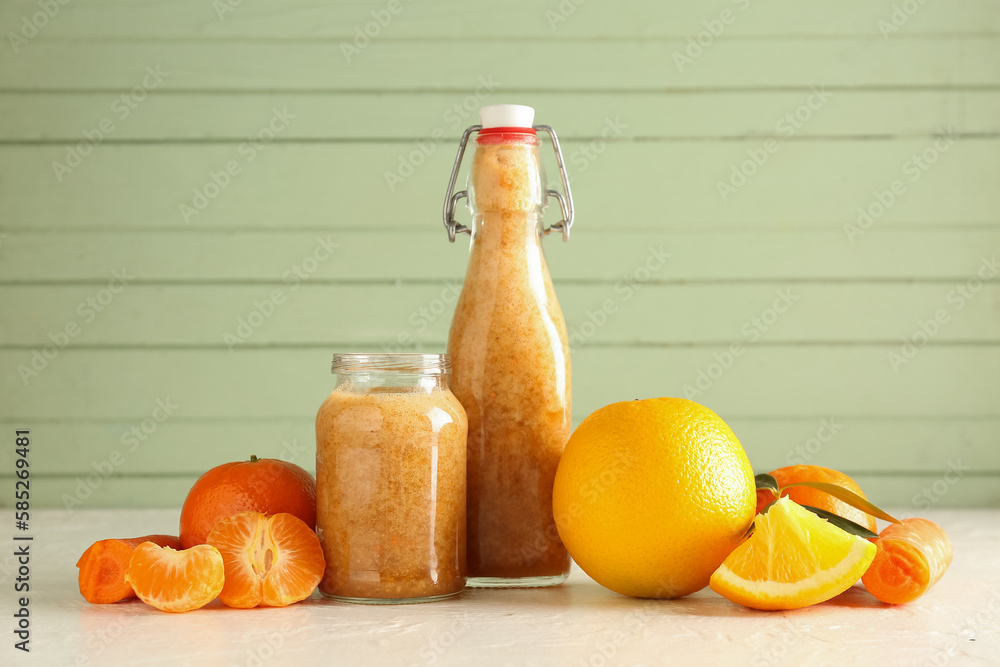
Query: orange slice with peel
x=175 y=581
x=793 y=559
x=270 y=561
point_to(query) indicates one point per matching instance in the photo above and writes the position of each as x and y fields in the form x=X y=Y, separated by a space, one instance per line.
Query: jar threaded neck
x=408 y=363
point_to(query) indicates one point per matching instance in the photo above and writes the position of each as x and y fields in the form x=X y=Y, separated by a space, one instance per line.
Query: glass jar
x=511 y=359
x=390 y=480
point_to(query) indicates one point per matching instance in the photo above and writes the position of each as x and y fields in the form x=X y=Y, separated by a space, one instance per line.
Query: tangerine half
x=175 y=581
x=269 y=561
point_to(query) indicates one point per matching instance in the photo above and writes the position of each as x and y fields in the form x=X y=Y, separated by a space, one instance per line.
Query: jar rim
x=413 y=363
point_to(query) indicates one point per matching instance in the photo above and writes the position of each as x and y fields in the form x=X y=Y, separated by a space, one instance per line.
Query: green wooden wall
x=259 y=156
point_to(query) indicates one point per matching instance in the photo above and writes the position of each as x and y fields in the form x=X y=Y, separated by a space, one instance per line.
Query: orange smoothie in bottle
x=511 y=368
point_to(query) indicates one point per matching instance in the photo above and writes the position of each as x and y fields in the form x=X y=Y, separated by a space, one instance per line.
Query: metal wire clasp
x=451 y=198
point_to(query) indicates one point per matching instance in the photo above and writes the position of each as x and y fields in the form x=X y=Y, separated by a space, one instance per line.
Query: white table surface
x=577 y=624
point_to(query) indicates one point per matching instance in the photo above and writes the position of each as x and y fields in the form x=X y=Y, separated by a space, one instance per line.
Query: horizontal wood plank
x=852 y=380
x=212 y=116
x=470 y=64
x=623 y=186
x=906 y=495
x=592 y=255
x=444 y=20
x=629 y=312
x=184 y=447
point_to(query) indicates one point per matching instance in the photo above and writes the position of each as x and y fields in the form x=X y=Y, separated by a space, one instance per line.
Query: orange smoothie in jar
x=511 y=371
x=390 y=481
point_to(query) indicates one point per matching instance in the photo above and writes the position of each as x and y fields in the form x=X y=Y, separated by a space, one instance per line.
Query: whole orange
x=651 y=496
x=258 y=485
x=814 y=497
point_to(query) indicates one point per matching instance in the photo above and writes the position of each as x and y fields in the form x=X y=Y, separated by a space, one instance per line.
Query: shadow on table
x=589 y=596
x=581 y=596
x=857 y=597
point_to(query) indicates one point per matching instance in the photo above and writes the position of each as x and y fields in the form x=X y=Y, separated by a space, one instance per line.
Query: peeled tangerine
x=269 y=561
x=793 y=559
x=173 y=580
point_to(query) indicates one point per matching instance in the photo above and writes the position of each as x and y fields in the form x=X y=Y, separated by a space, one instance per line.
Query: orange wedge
x=270 y=561
x=175 y=581
x=793 y=559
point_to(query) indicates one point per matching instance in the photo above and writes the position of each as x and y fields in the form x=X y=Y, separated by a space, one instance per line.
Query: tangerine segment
x=270 y=561
x=793 y=559
x=176 y=581
x=103 y=565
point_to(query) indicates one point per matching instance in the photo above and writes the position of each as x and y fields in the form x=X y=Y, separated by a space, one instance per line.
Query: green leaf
x=765 y=481
x=849 y=497
x=842 y=523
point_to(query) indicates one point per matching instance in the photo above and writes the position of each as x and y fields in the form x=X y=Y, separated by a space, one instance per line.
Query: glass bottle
x=510 y=356
x=390 y=480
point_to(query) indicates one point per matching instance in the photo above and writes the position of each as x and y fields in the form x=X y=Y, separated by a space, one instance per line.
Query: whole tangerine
x=269 y=486
x=804 y=495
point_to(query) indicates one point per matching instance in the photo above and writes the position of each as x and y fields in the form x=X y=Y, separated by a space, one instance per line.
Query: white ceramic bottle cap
x=506 y=115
